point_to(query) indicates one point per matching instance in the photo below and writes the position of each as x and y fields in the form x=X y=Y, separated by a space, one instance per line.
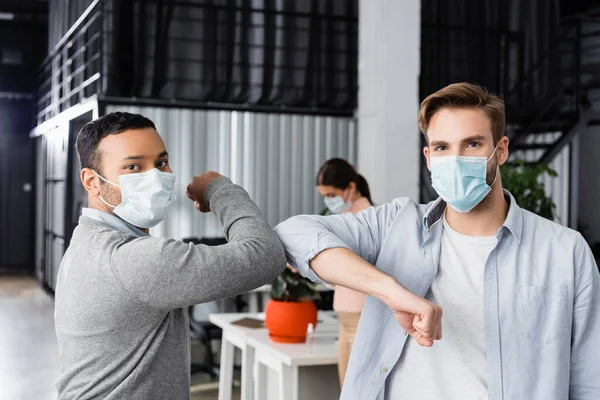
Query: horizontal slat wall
x=275 y=157
x=557 y=188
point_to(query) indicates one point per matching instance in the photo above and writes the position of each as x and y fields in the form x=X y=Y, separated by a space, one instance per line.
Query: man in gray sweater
x=122 y=295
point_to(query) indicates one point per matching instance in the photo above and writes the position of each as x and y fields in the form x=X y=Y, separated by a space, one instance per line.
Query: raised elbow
x=270 y=255
x=275 y=258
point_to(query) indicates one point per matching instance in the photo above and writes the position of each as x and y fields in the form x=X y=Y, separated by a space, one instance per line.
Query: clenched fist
x=420 y=318
x=195 y=190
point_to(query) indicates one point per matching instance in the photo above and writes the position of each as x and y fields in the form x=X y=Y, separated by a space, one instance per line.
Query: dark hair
x=339 y=173
x=93 y=132
x=464 y=95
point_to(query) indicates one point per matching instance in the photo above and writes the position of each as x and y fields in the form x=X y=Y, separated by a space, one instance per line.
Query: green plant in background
x=522 y=180
x=291 y=286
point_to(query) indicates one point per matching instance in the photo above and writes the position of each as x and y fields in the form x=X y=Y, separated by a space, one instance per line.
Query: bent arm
x=168 y=274
x=306 y=236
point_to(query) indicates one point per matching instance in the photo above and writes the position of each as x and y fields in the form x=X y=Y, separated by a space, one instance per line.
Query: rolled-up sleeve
x=305 y=236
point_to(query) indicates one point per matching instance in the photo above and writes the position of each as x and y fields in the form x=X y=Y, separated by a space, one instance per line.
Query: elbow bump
x=271 y=254
x=278 y=258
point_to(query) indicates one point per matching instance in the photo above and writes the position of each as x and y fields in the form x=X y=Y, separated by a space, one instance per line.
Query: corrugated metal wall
x=557 y=188
x=275 y=157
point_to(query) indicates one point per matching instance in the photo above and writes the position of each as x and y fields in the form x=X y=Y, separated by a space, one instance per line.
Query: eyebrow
x=436 y=143
x=469 y=139
x=473 y=138
x=163 y=154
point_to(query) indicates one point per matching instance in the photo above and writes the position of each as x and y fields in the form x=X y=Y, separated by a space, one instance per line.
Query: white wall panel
x=40 y=178
x=275 y=157
x=51 y=153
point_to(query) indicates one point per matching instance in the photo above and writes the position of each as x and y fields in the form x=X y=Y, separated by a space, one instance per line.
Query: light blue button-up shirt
x=541 y=297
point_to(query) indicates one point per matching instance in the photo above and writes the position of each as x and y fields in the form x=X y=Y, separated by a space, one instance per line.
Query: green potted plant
x=291 y=308
x=522 y=180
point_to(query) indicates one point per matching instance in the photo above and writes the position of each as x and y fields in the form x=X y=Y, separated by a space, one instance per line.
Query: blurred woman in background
x=344 y=190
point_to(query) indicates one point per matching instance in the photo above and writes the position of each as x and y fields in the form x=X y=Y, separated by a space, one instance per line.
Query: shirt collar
x=113 y=221
x=513 y=222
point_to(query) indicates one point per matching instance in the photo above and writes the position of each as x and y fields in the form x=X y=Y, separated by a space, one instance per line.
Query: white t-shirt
x=455 y=367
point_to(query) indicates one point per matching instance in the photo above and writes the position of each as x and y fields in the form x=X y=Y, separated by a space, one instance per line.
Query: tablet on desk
x=251 y=323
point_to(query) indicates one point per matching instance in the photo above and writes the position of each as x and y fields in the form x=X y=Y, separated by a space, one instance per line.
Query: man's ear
x=90 y=181
x=426 y=154
x=502 y=150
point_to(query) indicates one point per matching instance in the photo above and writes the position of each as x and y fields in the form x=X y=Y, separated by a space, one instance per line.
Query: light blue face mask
x=461 y=181
x=337 y=205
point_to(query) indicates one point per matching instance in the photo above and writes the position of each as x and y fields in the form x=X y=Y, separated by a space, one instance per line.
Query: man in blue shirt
x=520 y=294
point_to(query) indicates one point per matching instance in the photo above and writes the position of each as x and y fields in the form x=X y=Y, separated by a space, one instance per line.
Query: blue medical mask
x=461 y=181
x=337 y=205
x=145 y=197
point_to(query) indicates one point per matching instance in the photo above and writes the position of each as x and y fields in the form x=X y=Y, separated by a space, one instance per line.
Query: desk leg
x=253 y=302
x=265 y=299
x=288 y=382
x=260 y=382
x=247 y=373
x=226 y=369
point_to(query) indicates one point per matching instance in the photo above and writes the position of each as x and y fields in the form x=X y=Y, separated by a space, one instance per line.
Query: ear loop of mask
x=112 y=183
x=497 y=168
x=344 y=195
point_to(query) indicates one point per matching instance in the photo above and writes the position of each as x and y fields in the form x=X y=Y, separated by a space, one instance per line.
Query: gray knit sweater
x=121 y=299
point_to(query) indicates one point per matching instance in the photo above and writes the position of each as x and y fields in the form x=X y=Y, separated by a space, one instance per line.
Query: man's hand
x=420 y=318
x=195 y=190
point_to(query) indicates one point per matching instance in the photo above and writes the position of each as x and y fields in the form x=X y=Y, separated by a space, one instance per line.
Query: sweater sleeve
x=167 y=273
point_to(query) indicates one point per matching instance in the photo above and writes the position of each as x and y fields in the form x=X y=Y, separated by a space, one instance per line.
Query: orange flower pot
x=287 y=321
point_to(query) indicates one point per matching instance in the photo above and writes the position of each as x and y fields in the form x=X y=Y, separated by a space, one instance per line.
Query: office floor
x=28 y=349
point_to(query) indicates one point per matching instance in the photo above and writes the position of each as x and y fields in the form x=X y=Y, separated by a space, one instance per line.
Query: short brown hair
x=464 y=95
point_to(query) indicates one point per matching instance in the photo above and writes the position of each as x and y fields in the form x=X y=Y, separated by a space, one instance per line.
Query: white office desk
x=320 y=349
x=286 y=359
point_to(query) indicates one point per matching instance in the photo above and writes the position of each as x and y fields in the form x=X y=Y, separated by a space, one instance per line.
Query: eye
x=162 y=164
x=474 y=144
x=440 y=148
x=132 y=167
